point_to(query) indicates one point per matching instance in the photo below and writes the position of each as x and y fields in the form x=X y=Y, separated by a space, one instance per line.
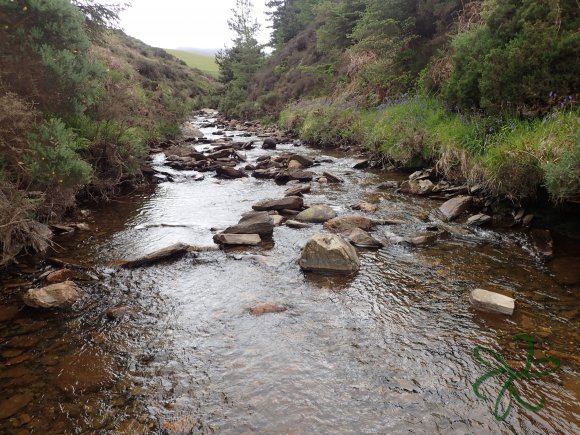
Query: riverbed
x=388 y=350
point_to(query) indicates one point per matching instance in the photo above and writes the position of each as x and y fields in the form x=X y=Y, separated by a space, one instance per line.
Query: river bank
x=384 y=350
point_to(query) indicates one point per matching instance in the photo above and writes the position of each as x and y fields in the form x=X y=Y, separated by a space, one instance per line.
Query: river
x=387 y=351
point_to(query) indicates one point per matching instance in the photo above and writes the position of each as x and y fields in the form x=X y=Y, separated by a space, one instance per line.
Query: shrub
x=18 y=226
x=47 y=56
x=524 y=51
x=54 y=157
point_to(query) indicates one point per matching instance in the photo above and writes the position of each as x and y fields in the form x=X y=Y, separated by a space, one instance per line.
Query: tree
x=238 y=64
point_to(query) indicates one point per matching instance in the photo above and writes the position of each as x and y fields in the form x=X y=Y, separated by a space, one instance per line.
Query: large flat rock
x=171 y=252
x=259 y=223
x=237 y=239
x=288 y=203
x=491 y=301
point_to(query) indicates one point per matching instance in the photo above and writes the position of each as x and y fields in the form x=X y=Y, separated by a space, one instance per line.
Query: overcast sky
x=186 y=23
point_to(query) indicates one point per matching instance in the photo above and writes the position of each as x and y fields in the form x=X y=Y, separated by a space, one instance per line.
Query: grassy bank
x=511 y=157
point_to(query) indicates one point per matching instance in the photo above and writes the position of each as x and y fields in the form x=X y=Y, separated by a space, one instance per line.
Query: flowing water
x=389 y=350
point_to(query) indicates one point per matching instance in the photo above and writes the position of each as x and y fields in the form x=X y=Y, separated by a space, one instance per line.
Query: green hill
x=202 y=62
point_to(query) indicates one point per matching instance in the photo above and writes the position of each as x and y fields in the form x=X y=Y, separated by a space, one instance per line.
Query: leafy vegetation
x=484 y=89
x=239 y=63
x=79 y=103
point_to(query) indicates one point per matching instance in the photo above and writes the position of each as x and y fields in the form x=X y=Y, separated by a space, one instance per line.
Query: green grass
x=202 y=62
x=512 y=158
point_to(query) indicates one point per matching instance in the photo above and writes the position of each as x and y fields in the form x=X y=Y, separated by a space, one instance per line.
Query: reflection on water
x=386 y=351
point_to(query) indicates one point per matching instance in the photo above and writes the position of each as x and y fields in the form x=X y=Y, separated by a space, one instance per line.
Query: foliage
x=55 y=158
x=46 y=57
x=526 y=51
x=238 y=64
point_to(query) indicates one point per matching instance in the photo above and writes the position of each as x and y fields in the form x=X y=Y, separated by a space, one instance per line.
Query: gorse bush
x=46 y=57
x=525 y=51
x=55 y=158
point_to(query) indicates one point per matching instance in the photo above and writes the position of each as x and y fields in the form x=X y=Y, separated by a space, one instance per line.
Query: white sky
x=186 y=23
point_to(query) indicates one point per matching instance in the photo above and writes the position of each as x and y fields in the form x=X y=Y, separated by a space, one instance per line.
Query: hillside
x=80 y=105
x=200 y=61
x=485 y=91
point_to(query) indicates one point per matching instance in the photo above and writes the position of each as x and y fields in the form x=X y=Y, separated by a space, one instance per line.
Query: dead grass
x=18 y=227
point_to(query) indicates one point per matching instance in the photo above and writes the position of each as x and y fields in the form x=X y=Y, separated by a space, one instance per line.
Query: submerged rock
x=289 y=202
x=316 y=214
x=491 y=301
x=331 y=178
x=171 y=252
x=329 y=253
x=298 y=189
x=566 y=270
x=59 y=276
x=367 y=207
x=344 y=224
x=296 y=224
x=14 y=404
x=362 y=239
x=424 y=239
x=455 y=207
x=543 y=243
x=53 y=296
x=260 y=310
x=87 y=371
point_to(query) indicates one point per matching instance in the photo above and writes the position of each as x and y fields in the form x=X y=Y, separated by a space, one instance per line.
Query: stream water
x=389 y=350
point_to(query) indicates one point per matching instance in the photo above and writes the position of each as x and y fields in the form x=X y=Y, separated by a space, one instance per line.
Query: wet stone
x=329 y=253
x=367 y=207
x=53 y=296
x=455 y=207
x=316 y=214
x=23 y=341
x=566 y=270
x=543 y=242
x=491 y=301
x=347 y=222
x=289 y=202
x=295 y=224
x=8 y=312
x=171 y=252
x=237 y=239
x=479 y=220
x=362 y=239
x=421 y=240
x=12 y=405
x=60 y=276
x=88 y=371
x=260 y=310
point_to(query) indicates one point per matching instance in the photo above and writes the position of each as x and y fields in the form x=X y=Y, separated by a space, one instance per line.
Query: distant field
x=203 y=62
